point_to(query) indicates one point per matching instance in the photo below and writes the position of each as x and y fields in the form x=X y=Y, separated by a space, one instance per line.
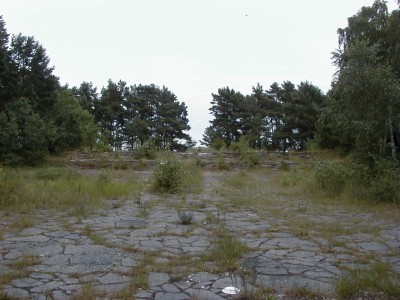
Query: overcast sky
x=193 y=47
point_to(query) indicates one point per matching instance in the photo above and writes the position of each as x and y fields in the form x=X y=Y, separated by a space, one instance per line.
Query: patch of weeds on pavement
x=179 y=267
x=19 y=269
x=4 y=296
x=21 y=222
x=378 y=281
x=96 y=238
x=87 y=292
x=303 y=292
x=139 y=275
x=226 y=252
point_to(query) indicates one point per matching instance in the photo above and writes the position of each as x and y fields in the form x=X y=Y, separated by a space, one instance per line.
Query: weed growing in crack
x=226 y=252
x=185 y=218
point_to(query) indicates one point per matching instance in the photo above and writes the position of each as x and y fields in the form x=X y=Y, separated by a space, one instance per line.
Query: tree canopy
x=39 y=117
x=363 y=111
x=280 y=118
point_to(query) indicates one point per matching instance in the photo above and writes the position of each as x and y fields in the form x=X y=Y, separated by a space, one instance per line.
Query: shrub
x=148 y=150
x=379 y=183
x=329 y=178
x=186 y=218
x=168 y=176
x=220 y=162
x=247 y=155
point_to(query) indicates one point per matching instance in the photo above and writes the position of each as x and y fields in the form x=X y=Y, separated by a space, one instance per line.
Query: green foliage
x=378 y=281
x=227 y=252
x=148 y=150
x=22 y=135
x=329 y=178
x=247 y=155
x=281 y=118
x=168 y=176
x=357 y=180
x=377 y=182
x=24 y=190
x=220 y=162
x=361 y=115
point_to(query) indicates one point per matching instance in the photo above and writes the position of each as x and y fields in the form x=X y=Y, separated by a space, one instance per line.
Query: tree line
x=280 y=118
x=38 y=116
x=360 y=114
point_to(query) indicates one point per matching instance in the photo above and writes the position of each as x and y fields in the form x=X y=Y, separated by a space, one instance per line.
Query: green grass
x=18 y=269
x=25 y=190
x=226 y=252
x=88 y=292
x=378 y=281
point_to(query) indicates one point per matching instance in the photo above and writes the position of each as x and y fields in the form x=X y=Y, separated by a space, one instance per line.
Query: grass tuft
x=378 y=281
x=226 y=252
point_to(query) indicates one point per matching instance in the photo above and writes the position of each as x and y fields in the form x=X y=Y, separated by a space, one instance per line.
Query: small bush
x=168 y=176
x=379 y=183
x=148 y=150
x=283 y=166
x=290 y=178
x=247 y=154
x=186 y=218
x=329 y=178
x=220 y=162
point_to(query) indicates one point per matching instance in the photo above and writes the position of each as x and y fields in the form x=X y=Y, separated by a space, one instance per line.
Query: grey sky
x=193 y=47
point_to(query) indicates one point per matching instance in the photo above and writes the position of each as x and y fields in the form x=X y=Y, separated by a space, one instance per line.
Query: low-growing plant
x=227 y=252
x=378 y=282
x=185 y=218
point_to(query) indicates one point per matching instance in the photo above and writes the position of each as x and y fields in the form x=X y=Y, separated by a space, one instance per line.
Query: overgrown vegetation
x=226 y=252
x=378 y=281
x=173 y=176
x=378 y=182
x=23 y=190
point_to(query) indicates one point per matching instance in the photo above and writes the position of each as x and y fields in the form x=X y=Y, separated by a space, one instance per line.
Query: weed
x=186 y=218
x=22 y=191
x=226 y=252
x=378 y=281
x=302 y=292
x=329 y=178
x=220 y=162
x=168 y=176
x=88 y=292
x=148 y=151
x=19 y=269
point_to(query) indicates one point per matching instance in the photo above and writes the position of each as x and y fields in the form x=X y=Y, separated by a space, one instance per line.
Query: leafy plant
x=186 y=218
x=148 y=150
x=168 y=176
x=329 y=178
